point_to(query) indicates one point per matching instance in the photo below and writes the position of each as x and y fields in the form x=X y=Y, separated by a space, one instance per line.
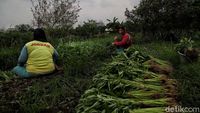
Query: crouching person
x=122 y=42
x=37 y=57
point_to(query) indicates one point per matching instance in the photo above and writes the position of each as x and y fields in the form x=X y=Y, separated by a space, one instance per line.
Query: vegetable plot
x=132 y=83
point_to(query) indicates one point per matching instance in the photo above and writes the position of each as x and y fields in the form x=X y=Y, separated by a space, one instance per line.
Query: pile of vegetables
x=184 y=44
x=129 y=84
x=186 y=50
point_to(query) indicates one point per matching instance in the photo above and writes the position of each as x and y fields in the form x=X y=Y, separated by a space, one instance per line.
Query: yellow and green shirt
x=39 y=57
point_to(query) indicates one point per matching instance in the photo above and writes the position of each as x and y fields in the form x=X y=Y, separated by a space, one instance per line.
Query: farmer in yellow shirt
x=37 y=57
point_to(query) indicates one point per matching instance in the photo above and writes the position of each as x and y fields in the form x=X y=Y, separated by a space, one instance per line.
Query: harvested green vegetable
x=127 y=85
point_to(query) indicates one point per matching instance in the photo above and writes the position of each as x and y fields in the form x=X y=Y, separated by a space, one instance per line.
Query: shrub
x=14 y=39
x=80 y=58
x=8 y=58
x=188 y=77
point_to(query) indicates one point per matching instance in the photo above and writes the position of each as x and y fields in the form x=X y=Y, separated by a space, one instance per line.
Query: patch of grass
x=14 y=39
x=188 y=76
x=54 y=95
x=161 y=50
x=6 y=75
x=8 y=58
x=83 y=57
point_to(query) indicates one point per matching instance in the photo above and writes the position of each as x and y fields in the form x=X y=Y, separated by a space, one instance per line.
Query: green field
x=159 y=73
x=87 y=61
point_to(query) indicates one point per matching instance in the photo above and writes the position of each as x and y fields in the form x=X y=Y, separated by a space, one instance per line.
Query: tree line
x=165 y=18
x=155 y=19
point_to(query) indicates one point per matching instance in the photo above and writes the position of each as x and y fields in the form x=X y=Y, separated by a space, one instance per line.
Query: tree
x=55 y=13
x=23 y=28
x=113 y=24
x=162 y=17
x=90 y=29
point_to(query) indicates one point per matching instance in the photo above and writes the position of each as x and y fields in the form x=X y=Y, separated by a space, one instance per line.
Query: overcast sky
x=13 y=12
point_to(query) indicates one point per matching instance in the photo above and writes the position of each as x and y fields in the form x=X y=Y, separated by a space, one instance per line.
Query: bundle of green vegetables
x=126 y=85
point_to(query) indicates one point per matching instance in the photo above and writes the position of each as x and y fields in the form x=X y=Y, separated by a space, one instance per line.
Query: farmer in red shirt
x=124 y=41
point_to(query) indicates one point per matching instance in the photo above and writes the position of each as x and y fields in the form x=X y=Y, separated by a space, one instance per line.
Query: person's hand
x=115 y=38
x=58 y=68
x=21 y=64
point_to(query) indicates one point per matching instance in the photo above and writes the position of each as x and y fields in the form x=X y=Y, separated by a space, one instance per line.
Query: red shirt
x=124 y=42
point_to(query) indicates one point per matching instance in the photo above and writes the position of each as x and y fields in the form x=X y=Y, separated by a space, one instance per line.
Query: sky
x=14 y=12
